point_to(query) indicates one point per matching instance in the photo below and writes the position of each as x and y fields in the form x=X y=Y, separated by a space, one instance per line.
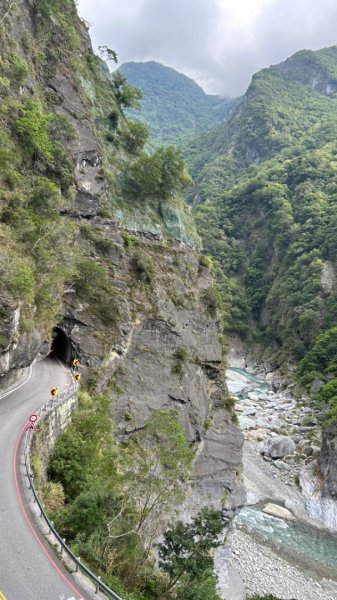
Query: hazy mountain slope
x=174 y=106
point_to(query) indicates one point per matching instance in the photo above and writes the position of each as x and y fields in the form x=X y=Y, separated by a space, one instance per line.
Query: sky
x=219 y=43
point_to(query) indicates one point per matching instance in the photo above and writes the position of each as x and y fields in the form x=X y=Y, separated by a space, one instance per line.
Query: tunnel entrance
x=61 y=346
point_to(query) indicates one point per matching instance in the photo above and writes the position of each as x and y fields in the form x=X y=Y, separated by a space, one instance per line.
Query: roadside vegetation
x=111 y=500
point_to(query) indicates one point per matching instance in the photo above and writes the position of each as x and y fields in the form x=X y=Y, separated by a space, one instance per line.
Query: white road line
x=64 y=369
x=18 y=386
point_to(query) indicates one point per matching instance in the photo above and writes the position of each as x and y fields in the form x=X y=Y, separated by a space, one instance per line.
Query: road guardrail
x=99 y=585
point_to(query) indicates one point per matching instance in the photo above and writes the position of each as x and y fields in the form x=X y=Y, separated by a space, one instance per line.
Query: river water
x=311 y=548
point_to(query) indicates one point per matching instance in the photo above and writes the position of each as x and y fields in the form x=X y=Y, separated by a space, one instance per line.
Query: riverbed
x=296 y=560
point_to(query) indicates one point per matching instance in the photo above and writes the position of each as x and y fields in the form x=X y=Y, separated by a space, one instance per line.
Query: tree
x=108 y=54
x=127 y=95
x=161 y=175
x=135 y=137
x=157 y=465
x=186 y=549
x=204 y=589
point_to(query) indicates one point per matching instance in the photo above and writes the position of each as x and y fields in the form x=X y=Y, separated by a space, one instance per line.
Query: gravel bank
x=264 y=572
x=253 y=567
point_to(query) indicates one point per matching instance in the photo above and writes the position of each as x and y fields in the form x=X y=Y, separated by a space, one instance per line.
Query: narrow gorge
x=160 y=269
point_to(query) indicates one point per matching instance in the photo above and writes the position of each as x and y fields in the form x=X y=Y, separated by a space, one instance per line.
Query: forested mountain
x=266 y=195
x=174 y=107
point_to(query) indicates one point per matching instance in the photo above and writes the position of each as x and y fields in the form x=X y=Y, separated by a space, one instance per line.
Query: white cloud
x=220 y=43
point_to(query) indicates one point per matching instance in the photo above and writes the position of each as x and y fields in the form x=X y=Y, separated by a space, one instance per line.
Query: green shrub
x=180 y=354
x=16 y=277
x=205 y=261
x=230 y=402
x=142 y=266
x=20 y=69
x=32 y=127
x=53 y=496
x=180 y=357
x=129 y=240
x=212 y=300
x=46 y=198
x=135 y=137
x=127 y=95
x=161 y=175
x=93 y=285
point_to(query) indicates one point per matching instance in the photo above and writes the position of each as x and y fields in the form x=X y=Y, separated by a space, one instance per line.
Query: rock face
x=305 y=67
x=328 y=461
x=73 y=94
x=152 y=376
x=160 y=346
x=278 y=511
x=17 y=349
x=318 y=504
x=278 y=447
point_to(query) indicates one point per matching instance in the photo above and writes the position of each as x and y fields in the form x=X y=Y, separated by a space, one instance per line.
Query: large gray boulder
x=278 y=511
x=278 y=446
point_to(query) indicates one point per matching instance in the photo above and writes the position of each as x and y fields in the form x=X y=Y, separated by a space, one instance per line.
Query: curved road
x=26 y=572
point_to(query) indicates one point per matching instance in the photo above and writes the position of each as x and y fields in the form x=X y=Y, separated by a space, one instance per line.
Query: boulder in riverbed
x=278 y=446
x=278 y=511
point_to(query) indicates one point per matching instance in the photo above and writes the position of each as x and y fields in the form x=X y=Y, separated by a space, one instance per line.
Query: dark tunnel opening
x=61 y=346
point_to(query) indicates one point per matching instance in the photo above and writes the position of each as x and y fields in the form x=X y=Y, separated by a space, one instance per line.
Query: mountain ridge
x=175 y=107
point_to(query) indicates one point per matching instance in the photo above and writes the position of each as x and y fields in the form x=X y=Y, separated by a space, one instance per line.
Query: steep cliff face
x=66 y=150
x=316 y=70
x=164 y=352
x=137 y=308
x=328 y=461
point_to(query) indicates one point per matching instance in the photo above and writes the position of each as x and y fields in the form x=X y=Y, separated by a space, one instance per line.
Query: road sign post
x=32 y=420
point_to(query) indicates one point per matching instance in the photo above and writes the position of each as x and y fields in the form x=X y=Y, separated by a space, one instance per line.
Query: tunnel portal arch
x=61 y=346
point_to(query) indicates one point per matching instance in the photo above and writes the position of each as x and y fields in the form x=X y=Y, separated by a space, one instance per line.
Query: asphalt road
x=26 y=572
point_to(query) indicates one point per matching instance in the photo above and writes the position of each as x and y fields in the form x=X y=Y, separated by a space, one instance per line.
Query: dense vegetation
x=36 y=176
x=266 y=199
x=175 y=108
x=111 y=501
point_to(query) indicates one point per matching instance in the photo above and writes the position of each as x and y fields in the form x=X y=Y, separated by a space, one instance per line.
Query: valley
x=184 y=257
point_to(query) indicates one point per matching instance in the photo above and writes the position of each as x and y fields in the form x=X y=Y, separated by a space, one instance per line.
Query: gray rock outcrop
x=278 y=446
x=328 y=461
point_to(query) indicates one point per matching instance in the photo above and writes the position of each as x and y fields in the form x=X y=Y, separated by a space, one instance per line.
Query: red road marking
x=30 y=524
